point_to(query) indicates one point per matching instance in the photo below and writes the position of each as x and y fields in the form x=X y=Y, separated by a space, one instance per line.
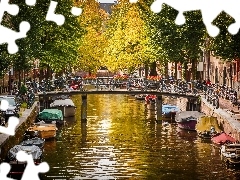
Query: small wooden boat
x=230 y=153
x=39 y=142
x=206 y=134
x=50 y=116
x=187 y=120
x=222 y=138
x=45 y=131
x=17 y=167
x=66 y=106
x=207 y=127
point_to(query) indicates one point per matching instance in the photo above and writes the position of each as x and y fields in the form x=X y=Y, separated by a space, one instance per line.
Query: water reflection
x=120 y=140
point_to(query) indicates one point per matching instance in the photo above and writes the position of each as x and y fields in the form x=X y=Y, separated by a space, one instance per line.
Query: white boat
x=66 y=106
x=230 y=153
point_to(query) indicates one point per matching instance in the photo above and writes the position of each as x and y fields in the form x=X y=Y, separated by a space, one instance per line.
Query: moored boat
x=169 y=111
x=50 y=116
x=222 y=138
x=150 y=98
x=66 y=106
x=17 y=167
x=45 y=131
x=207 y=134
x=187 y=120
x=207 y=127
x=140 y=96
x=230 y=153
x=39 y=142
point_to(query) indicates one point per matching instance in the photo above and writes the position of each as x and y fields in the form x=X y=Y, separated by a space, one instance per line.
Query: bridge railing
x=130 y=83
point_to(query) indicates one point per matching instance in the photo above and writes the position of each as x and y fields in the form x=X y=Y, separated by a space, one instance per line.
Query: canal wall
x=226 y=121
x=27 y=118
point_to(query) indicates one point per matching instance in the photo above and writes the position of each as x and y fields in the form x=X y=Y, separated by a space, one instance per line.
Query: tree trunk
x=193 y=70
x=176 y=70
x=208 y=64
x=153 y=70
x=140 y=71
x=146 y=70
x=41 y=75
x=185 y=71
x=166 y=70
x=19 y=79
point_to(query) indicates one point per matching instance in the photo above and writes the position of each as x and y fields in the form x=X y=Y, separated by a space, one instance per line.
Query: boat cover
x=205 y=123
x=169 y=108
x=222 y=139
x=34 y=141
x=188 y=115
x=51 y=114
x=34 y=150
x=62 y=102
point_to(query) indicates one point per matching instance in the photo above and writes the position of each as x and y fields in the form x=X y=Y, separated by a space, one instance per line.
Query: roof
x=62 y=102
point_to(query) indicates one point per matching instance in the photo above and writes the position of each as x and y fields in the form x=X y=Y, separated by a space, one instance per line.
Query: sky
x=106 y=1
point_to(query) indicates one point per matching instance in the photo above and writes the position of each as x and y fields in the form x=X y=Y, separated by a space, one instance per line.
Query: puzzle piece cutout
x=133 y=1
x=4 y=170
x=59 y=19
x=7 y=35
x=12 y=122
x=209 y=9
x=31 y=171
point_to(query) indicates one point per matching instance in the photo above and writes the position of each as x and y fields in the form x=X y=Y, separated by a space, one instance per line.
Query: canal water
x=121 y=141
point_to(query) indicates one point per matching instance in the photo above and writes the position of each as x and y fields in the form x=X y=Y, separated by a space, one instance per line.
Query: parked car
x=14 y=107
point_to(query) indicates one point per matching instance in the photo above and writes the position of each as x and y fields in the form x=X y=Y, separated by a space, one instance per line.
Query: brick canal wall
x=27 y=118
x=226 y=121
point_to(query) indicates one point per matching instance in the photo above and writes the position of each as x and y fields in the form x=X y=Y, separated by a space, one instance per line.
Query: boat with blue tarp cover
x=169 y=111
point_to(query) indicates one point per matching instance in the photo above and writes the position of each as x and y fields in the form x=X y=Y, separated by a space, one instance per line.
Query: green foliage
x=225 y=45
x=128 y=35
x=23 y=89
x=24 y=105
x=55 y=46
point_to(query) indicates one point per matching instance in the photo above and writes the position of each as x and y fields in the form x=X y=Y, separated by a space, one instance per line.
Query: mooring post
x=159 y=108
x=84 y=108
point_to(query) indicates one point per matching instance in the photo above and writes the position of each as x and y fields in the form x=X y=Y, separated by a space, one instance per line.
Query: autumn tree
x=93 y=41
x=129 y=45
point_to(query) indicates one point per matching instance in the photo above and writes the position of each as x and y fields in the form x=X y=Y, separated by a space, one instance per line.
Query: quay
x=27 y=118
x=228 y=119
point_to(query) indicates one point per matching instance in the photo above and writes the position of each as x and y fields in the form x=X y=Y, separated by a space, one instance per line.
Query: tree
x=179 y=43
x=225 y=45
x=93 y=41
x=129 y=44
x=55 y=46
